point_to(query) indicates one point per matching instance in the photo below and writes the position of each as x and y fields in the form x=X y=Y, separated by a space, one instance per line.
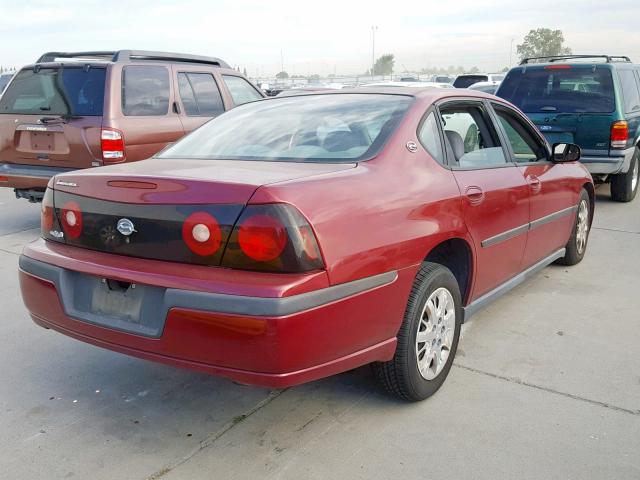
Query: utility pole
x=511 y=53
x=373 y=48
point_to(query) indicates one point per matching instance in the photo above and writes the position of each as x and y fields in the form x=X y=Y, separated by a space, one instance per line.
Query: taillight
x=272 y=238
x=558 y=67
x=49 y=225
x=201 y=233
x=112 y=144
x=619 y=134
x=71 y=219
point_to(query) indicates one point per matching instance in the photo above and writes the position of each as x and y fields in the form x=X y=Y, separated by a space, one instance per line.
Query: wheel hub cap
x=435 y=333
x=582 y=229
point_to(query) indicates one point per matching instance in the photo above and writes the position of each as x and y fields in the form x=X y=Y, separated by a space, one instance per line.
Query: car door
x=495 y=196
x=199 y=97
x=552 y=202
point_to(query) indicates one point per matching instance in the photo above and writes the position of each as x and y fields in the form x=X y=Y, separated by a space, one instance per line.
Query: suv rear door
x=50 y=116
x=198 y=95
x=568 y=103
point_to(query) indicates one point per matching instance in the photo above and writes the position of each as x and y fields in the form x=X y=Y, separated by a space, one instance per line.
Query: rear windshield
x=56 y=91
x=308 y=128
x=561 y=89
x=464 y=81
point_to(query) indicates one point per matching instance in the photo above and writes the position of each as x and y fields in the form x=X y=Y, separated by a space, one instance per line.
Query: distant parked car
x=466 y=80
x=409 y=79
x=299 y=237
x=442 y=79
x=406 y=84
x=5 y=78
x=591 y=100
x=79 y=110
x=486 y=87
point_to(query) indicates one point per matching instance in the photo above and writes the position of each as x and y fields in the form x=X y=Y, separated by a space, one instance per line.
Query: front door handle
x=474 y=195
x=534 y=183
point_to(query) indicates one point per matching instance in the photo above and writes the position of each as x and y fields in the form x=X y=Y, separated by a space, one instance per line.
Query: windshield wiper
x=59 y=119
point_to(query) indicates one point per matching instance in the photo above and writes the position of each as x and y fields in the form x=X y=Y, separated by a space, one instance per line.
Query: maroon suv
x=85 y=109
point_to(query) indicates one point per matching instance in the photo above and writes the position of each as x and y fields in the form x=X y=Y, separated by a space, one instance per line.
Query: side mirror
x=566 y=152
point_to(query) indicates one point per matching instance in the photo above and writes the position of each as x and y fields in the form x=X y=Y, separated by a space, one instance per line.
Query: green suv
x=590 y=100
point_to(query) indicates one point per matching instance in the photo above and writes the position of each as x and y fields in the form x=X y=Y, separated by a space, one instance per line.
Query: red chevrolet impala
x=298 y=237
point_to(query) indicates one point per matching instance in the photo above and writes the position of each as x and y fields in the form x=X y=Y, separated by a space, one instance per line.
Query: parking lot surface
x=546 y=384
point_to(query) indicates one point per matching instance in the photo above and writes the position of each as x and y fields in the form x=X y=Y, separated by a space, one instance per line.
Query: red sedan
x=294 y=238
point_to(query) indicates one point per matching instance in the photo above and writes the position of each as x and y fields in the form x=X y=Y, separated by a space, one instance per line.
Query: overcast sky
x=319 y=36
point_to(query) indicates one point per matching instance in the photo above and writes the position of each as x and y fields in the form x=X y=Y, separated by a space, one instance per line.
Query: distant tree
x=384 y=65
x=282 y=75
x=505 y=69
x=244 y=71
x=314 y=78
x=542 y=42
x=474 y=70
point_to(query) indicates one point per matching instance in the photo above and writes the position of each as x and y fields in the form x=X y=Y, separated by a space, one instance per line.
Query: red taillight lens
x=272 y=238
x=71 y=219
x=201 y=232
x=557 y=67
x=47 y=213
x=619 y=134
x=4 y=178
x=112 y=144
x=262 y=237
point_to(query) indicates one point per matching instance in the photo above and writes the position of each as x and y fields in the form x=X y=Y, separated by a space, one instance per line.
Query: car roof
x=428 y=93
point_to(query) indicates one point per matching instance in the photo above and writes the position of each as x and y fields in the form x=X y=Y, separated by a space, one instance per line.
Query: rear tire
x=624 y=186
x=428 y=337
x=577 y=245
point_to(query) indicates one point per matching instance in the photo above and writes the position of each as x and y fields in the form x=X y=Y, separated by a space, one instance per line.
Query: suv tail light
x=619 y=134
x=272 y=238
x=112 y=144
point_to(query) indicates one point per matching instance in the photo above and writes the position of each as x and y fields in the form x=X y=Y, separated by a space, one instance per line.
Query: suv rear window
x=307 y=128
x=145 y=91
x=560 y=89
x=56 y=91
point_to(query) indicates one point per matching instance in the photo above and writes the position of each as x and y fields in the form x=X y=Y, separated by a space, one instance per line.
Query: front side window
x=200 y=94
x=430 y=138
x=526 y=148
x=629 y=91
x=470 y=137
x=309 y=128
x=241 y=90
x=56 y=91
x=145 y=90
x=560 y=89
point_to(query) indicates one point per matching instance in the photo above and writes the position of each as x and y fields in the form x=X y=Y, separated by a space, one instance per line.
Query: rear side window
x=241 y=90
x=56 y=91
x=200 y=94
x=629 y=90
x=429 y=136
x=145 y=91
x=471 y=137
x=560 y=89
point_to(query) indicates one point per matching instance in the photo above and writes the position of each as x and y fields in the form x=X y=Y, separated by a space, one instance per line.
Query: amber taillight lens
x=273 y=238
x=49 y=224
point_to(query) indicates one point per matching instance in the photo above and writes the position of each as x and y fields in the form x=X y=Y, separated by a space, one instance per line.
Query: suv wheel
x=624 y=186
x=577 y=245
x=428 y=337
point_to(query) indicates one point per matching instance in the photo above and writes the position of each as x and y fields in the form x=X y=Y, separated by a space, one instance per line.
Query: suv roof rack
x=128 y=55
x=557 y=58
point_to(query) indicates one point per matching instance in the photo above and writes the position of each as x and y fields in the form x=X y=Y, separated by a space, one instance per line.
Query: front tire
x=577 y=245
x=624 y=186
x=428 y=337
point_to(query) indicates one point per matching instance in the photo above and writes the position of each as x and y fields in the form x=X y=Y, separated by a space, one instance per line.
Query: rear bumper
x=609 y=165
x=271 y=341
x=25 y=177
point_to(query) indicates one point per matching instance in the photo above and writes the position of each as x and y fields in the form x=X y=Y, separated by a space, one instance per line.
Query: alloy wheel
x=582 y=229
x=436 y=329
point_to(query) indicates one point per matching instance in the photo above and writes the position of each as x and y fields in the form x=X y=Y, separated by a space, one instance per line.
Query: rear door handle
x=534 y=183
x=474 y=195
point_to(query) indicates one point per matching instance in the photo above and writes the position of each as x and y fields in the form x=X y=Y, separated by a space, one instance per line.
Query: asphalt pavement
x=546 y=385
